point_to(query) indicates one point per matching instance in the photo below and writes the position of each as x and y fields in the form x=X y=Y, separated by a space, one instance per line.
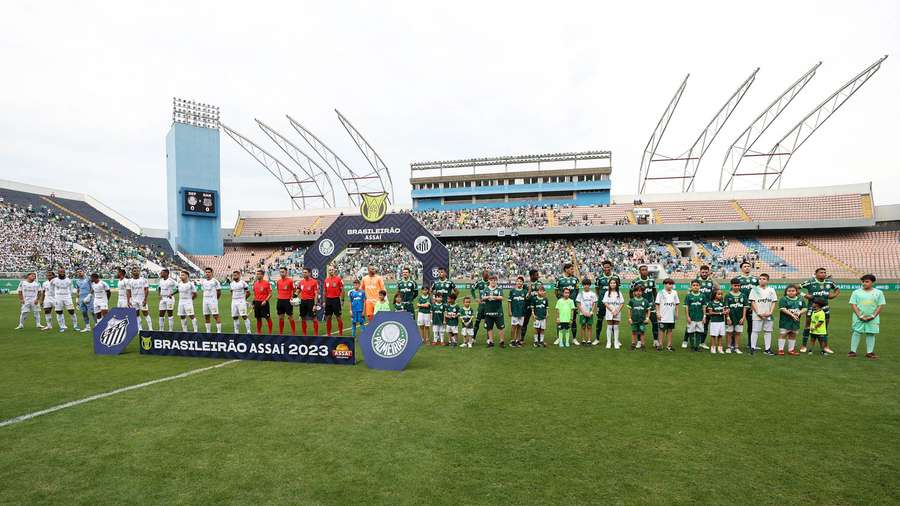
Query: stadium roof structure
x=477 y=165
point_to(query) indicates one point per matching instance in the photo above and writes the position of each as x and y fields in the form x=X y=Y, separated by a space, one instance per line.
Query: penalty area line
x=60 y=407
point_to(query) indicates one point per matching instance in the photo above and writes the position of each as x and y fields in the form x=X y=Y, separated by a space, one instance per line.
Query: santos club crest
x=113 y=333
x=373 y=206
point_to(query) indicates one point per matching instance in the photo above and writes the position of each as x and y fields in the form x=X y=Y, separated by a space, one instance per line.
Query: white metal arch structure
x=353 y=183
x=783 y=150
x=295 y=186
x=304 y=161
x=742 y=146
x=656 y=136
x=379 y=169
x=694 y=155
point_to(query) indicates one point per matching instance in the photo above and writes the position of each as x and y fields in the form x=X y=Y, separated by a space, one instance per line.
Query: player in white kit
x=62 y=300
x=138 y=293
x=212 y=290
x=29 y=292
x=47 y=300
x=167 y=289
x=186 y=296
x=122 y=286
x=101 y=296
x=240 y=290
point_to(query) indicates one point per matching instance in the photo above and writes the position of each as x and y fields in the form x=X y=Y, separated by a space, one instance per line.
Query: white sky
x=87 y=86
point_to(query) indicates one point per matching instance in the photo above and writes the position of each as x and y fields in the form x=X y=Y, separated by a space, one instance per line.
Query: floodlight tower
x=379 y=169
x=193 y=178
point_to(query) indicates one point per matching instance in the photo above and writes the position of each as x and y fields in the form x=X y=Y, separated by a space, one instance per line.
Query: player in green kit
x=517 y=300
x=602 y=286
x=648 y=289
x=408 y=290
x=694 y=310
x=638 y=317
x=747 y=282
x=477 y=288
x=492 y=300
x=790 y=307
x=707 y=287
x=736 y=317
x=819 y=287
x=443 y=286
x=539 y=304
x=570 y=281
x=532 y=288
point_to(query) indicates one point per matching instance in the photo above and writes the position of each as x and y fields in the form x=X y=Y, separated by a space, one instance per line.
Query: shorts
x=100 y=305
x=452 y=329
x=493 y=320
x=359 y=317
x=540 y=324
x=734 y=328
x=49 y=303
x=438 y=329
x=370 y=308
x=140 y=305
x=284 y=307
x=869 y=327
x=637 y=328
x=564 y=325
x=694 y=327
x=332 y=306
x=29 y=307
x=186 y=308
x=261 y=310
x=789 y=326
x=121 y=301
x=60 y=304
x=307 y=308
x=423 y=320
x=717 y=329
x=467 y=331
x=818 y=336
x=585 y=320
x=516 y=320
x=166 y=303
x=238 y=308
x=762 y=325
x=86 y=306
x=666 y=325
x=210 y=307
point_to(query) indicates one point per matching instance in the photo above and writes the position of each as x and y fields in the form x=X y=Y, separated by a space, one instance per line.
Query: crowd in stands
x=484 y=218
x=39 y=238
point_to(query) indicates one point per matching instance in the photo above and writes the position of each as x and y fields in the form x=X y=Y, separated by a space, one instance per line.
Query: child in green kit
x=539 y=305
x=467 y=320
x=866 y=303
x=638 y=316
x=790 y=308
x=818 y=327
x=451 y=316
x=438 y=324
x=565 y=308
x=382 y=304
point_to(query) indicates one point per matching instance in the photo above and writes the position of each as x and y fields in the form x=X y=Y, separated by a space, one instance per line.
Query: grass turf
x=457 y=427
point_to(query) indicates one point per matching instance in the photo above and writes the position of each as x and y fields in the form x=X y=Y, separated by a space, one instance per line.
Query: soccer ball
x=295 y=301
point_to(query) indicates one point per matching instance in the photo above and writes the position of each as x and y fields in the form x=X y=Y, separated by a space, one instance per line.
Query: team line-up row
x=449 y=320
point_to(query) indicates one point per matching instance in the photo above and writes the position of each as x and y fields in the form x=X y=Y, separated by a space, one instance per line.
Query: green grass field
x=459 y=426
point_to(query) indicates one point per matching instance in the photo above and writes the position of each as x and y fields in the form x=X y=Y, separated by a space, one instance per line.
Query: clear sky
x=87 y=86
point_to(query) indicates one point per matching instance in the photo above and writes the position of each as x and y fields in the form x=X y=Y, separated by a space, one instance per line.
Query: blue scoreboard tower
x=193 y=179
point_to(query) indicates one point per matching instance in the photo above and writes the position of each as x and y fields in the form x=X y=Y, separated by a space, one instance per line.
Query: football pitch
x=459 y=426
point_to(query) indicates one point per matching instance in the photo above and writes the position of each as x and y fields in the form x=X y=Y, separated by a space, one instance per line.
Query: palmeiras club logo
x=389 y=340
x=326 y=247
x=373 y=206
x=114 y=332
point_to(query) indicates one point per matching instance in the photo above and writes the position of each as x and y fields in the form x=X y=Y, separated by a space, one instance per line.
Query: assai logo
x=342 y=351
x=422 y=245
x=115 y=332
x=326 y=247
x=389 y=340
x=373 y=206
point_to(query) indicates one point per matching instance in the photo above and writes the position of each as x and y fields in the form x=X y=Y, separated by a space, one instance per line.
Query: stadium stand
x=246 y=259
x=831 y=207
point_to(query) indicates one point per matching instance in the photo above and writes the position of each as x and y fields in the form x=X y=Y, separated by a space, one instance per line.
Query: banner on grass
x=390 y=340
x=305 y=349
x=115 y=331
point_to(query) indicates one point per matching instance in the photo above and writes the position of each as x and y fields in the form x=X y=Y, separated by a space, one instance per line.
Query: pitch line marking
x=70 y=404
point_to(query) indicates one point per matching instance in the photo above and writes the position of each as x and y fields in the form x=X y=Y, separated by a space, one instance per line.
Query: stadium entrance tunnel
x=393 y=228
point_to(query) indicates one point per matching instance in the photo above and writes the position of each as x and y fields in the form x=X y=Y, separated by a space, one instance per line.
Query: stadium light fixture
x=190 y=112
